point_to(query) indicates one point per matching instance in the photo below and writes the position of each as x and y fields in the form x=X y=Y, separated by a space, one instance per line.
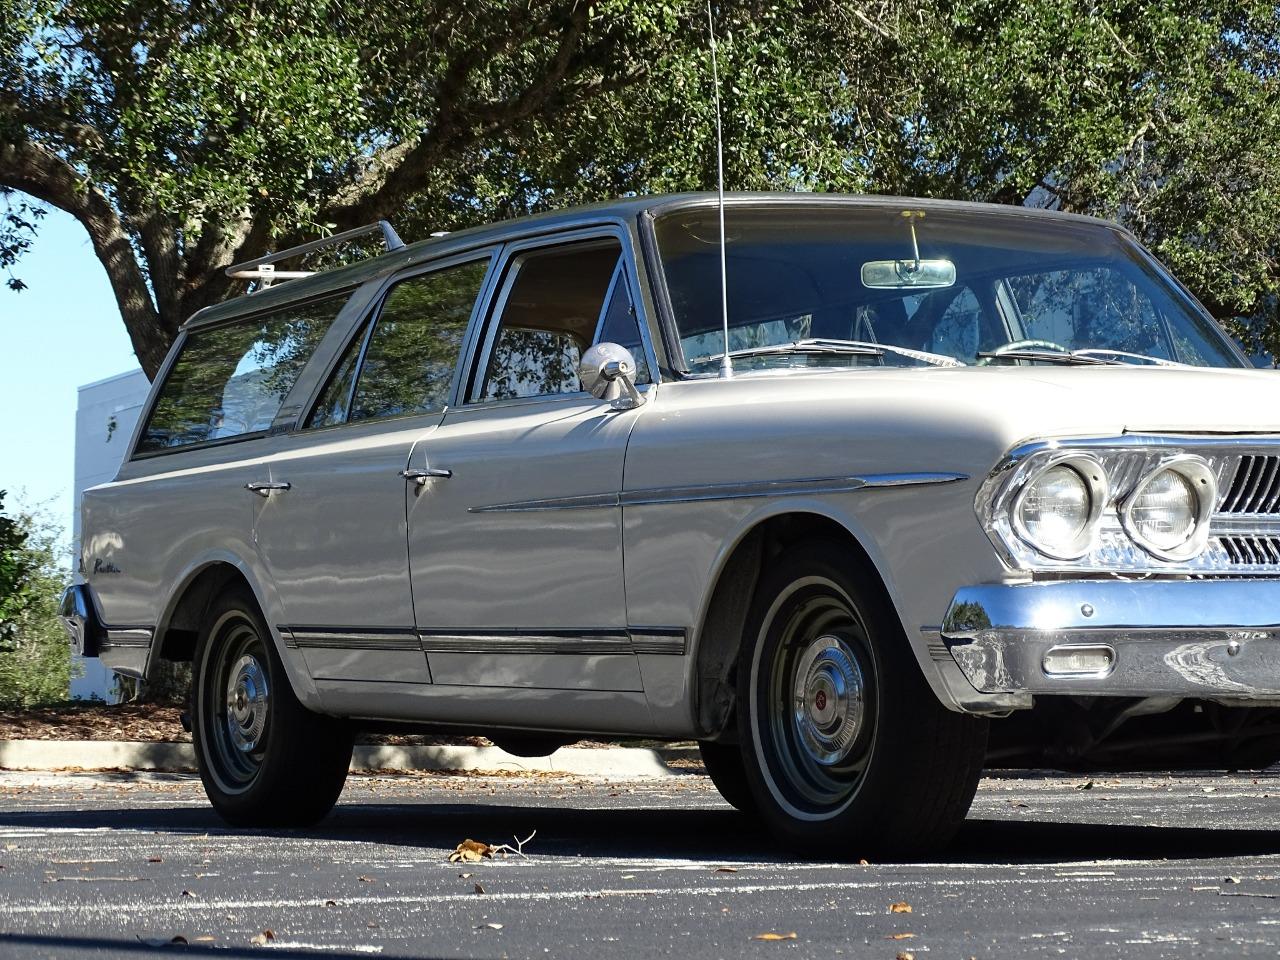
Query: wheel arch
x=178 y=627
x=718 y=638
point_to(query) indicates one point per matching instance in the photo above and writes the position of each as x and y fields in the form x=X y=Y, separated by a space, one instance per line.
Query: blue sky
x=61 y=332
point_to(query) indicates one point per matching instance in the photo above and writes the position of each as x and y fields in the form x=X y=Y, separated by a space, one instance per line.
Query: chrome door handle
x=421 y=476
x=264 y=488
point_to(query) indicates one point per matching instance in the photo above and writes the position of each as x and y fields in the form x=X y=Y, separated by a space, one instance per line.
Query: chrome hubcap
x=816 y=699
x=247 y=702
x=828 y=699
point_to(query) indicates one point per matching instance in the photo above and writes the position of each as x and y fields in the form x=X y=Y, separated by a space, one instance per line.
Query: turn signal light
x=1094 y=660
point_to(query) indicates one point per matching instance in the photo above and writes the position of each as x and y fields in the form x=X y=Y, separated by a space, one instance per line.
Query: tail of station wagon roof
x=985 y=485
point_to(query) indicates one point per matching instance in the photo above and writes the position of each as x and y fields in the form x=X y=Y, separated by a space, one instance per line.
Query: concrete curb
x=622 y=763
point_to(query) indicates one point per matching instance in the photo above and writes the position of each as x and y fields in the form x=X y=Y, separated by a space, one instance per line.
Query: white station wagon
x=954 y=463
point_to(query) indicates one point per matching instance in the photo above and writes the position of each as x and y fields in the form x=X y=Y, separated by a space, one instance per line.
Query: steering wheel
x=1016 y=345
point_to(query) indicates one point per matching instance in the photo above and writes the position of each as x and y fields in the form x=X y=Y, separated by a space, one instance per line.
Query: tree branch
x=402 y=168
x=36 y=171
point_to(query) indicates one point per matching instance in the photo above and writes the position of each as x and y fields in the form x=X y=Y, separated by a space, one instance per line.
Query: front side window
x=550 y=315
x=839 y=285
x=230 y=380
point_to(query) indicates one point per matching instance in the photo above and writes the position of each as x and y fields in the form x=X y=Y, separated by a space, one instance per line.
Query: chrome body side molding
x=724 y=491
x=349 y=638
x=669 y=641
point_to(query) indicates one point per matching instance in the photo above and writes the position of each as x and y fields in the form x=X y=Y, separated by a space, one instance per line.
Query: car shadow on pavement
x=714 y=835
x=53 y=945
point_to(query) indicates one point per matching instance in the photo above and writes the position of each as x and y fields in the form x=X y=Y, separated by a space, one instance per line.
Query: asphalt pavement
x=1047 y=865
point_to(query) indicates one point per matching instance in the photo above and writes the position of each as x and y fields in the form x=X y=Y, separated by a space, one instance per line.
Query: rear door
x=514 y=537
x=332 y=528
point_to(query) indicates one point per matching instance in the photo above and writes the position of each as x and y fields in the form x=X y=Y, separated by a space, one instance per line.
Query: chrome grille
x=1255 y=488
x=1252 y=551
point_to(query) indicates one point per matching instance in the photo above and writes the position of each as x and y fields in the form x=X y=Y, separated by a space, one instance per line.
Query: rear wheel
x=265 y=759
x=844 y=746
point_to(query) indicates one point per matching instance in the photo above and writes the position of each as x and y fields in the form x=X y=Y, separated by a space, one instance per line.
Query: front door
x=515 y=537
x=334 y=538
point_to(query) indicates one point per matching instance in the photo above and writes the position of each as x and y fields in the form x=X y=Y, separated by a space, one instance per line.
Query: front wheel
x=264 y=758
x=845 y=748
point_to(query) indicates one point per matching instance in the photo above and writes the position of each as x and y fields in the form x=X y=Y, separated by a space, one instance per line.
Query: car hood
x=1058 y=401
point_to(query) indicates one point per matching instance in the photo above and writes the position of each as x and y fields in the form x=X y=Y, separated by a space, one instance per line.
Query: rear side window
x=230 y=380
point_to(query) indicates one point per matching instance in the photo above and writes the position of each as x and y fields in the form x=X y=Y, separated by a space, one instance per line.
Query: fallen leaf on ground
x=331 y=903
x=900 y=936
x=479 y=889
x=206 y=939
x=489 y=926
x=906 y=955
x=726 y=869
x=178 y=940
x=263 y=938
x=187 y=893
x=471 y=851
x=900 y=907
x=365 y=880
x=1087 y=785
x=1230 y=879
x=775 y=936
x=155 y=859
x=864 y=863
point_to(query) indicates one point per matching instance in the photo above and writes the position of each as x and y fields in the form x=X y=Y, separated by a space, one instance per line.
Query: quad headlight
x=1167 y=514
x=1103 y=506
x=1058 y=508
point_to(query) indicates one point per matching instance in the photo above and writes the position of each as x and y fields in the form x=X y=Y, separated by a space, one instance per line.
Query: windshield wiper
x=855 y=348
x=1089 y=356
x=1119 y=356
x=1049 y=356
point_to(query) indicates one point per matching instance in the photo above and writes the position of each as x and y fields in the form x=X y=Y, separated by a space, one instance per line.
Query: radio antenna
x=726 y=362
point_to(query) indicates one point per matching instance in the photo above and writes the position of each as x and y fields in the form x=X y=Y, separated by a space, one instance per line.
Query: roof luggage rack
x=264 y=271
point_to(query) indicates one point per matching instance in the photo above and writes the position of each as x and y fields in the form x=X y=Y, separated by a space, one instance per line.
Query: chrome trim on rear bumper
x=1217 y=639
x=79 y=618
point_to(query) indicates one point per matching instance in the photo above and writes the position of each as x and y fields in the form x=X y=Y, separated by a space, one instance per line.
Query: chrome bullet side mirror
x=608 y=371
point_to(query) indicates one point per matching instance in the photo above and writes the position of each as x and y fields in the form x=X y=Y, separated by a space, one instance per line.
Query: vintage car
x=915 y=466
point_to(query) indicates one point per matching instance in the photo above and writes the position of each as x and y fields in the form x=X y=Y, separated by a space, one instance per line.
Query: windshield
x=973 y=286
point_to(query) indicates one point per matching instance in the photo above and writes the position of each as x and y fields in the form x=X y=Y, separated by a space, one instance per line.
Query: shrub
x=35 y=657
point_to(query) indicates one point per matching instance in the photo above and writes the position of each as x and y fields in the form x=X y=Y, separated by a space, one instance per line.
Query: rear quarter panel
x=151 y=531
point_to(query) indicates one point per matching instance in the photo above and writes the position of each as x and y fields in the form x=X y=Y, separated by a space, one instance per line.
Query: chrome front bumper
x=1216 y=639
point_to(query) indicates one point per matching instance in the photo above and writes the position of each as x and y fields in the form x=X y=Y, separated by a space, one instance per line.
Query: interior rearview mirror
x=897 y=274
x=608 y=371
